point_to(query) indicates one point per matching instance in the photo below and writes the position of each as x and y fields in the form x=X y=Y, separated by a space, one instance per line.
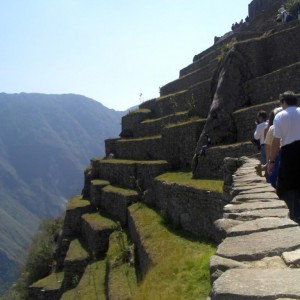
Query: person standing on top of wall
x=259 y=133
x=287 y=132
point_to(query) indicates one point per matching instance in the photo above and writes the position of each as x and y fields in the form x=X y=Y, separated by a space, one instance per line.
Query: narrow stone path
x=259 y=255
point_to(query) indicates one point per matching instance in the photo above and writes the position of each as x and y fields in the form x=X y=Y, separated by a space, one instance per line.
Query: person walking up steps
x=287 y=133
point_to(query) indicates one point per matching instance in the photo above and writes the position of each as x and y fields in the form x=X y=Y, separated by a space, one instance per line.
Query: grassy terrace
x=51 y=282
x=165 y=117
x=275 y=102
x=120 y=191
x=99 y=222
x=185 y=178
x=77 y=201
x=100 y=182
x=128 y=161
x=155 y=137
x=192 y=120
x=91 y=285
x=121 y=276
x=76 y=251
x=181 y=263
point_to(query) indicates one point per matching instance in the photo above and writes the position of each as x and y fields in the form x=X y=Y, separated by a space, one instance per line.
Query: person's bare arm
x=274 y=150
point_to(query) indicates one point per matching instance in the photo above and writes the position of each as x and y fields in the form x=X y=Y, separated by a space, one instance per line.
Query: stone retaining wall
x=180 y=141
x=261 y=57
x=154 y=127
x=244 y=119
x=268 y=87
x=259 y=252
x=208 y=59
x=186 y=207
x=185 y=82
x=211 y=165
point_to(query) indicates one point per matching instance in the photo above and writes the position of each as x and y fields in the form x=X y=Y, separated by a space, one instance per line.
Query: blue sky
x=108 y=50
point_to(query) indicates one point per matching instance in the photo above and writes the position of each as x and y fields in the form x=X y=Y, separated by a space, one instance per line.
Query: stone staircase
x=259 y=252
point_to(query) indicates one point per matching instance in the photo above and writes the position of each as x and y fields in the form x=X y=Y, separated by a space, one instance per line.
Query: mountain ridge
x=46 y=141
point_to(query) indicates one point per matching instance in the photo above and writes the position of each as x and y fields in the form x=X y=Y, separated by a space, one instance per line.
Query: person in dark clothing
x=287 y=137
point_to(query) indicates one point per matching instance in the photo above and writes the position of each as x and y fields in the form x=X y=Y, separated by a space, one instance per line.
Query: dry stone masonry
x=259 y=252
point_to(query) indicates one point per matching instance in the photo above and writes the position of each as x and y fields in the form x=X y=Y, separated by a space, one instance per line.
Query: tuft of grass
x=91 y=285
x=185 y=178
x=180 y=262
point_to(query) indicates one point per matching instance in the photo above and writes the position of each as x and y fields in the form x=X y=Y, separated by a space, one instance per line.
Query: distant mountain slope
x=46 y=141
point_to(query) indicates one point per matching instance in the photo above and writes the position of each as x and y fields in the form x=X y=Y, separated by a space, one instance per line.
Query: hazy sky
x=108 y=50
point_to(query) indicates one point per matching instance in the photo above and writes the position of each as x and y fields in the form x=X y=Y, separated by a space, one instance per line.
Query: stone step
x=47 y=288
x=128 y=173
x=92 y=284
x=121 y=274
x=253 y=284
x=159 y=249
x=95 y=231
x=115 y=202
x=258 y=245
x=75 y=262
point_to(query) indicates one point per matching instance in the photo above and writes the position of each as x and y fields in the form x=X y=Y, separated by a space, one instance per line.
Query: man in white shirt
x=259 y=133
x=287 y=131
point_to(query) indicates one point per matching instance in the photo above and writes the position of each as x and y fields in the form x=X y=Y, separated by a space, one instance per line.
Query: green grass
x=77 y=201
x=185 y=178
x=76 y=251
x=130 y=162
x=192 y=120
x=120 y=191
x=121 y=278
x=139 y=110
x=99 y=222
x=91 y=285
x=165 y=117
x=51 y=282
x=139 y=139
x=181 y=263
x=99 y=182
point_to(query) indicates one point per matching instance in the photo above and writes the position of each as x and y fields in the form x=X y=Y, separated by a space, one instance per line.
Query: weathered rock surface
x=249 y=284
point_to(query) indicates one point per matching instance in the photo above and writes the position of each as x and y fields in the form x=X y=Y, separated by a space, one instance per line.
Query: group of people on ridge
x=279 y=140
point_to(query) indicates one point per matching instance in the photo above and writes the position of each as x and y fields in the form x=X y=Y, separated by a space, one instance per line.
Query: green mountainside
x=46 y=142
